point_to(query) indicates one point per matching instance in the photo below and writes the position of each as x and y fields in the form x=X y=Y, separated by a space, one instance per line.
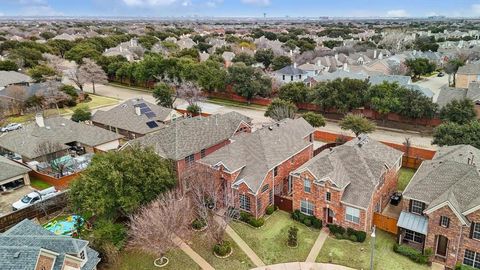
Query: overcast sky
x=242 y=8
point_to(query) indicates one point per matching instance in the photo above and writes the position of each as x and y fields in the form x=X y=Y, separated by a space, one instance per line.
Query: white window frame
x=413 y=236
x=444 y=221
x=306 y=207
x=307 y=185
x=189 y=160
x=476 y=231
x=352 y=214
x=328 y=196
x=245 y=203
x=417 y=207
x=473 y=259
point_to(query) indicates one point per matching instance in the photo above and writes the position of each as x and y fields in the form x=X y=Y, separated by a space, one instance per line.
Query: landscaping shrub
x=349 y=233
x=306 y=219
x=353 y=238
x=293 y=236
x=245 y=216
x=307 y=222
x=270 y=209
x=107 y=232
x=317 y=223
x=199 y=223
x=339 y=236
x=336 y=229
x=411 y=253
x=257 y=222
x=361 y=236
x=296 y=215
x=222 y=249
x=460 y=266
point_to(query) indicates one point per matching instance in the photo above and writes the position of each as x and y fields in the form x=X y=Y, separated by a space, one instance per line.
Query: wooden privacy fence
x=385 y=223
x=37 y=210
x=284 y=203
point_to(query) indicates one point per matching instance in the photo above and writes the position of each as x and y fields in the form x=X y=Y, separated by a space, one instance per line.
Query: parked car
x=440 y=74
x=34 y=197
x=11 y=127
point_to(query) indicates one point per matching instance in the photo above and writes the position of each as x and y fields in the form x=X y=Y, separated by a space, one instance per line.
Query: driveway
x=434 y=84
x=7 y=199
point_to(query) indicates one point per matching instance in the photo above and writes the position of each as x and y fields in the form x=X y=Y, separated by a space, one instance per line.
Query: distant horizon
x=242 y=8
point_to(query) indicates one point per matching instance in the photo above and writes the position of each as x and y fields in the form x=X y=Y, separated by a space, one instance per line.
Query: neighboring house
x=441 y=207
x=60 y=135
x=256 y=166
x=28 y=245
x=13 y=78
x=399 y=79
x=191 y=139
x=311 y=69
x=134 y=118
x=131 y=50
x=339 y=74
x=448 y=94
x=346 y=184
x=227 y=58
x=185 y=43
x=467 y=74
x=12 y=174
x=204 y=56
x=66 y=37
x=290 y=74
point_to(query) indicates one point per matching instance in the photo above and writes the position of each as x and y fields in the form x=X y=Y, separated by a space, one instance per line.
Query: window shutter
x=441 y=217
x=448 y=223
x=471 y=229
x=410 y=206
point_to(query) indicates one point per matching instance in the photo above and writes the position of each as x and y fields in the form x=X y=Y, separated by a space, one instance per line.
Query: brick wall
x=462 y=81
x=467 y=242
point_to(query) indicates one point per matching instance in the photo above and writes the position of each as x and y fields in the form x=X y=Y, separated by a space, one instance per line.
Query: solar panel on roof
x=145 y=110
x=150 y=114
x=142 y=105
x=152 y=124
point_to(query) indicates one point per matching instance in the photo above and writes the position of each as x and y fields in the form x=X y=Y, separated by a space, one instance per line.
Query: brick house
x=257 y=165
x=134 y=118
x=344 y=185
x=441 y=207
x=467 y=74
x=191 y=139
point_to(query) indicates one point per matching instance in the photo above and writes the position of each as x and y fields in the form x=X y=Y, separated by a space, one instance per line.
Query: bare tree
x=395 y=41
x=156 y=226
x=17 y=94
x=52 y=152
x=92 y=73
x=187 y=90
x=75 y=75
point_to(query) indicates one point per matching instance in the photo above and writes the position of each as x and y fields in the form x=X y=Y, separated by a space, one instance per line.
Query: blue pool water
x=66 y=226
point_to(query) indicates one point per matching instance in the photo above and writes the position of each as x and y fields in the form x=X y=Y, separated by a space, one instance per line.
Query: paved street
x=258 y=117
x=434 y=84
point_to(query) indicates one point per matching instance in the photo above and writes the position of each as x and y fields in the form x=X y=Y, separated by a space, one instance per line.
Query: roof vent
x=16 y=255
x=270 y=128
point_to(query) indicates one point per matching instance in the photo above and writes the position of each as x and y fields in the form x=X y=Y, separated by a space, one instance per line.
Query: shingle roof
x=12 y=77
x=25 y=141
x=123 y=116
x=259 y=152
x=469 y=69
x=447 y=94
x=291 y=70
x=340 y=74
x=20 y=246
x=379 y=79
x=191 y=135
x=10 y=168
x=355 y=166
x=451 y=176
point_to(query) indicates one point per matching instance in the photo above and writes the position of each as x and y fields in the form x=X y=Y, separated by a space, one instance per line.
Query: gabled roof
x=191 y=135
x=340 y=74
x=469 y=69
x=21 y=245
x=379 y=79
x=13 y=77
x=355 y=166
x=447 y=94
x=450 y=178
x=25 y=141
x=291 y=70
x=10 y=168
x=259 y=152
x=124 y=116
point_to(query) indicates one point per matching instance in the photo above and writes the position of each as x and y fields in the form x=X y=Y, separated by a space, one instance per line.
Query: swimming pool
x=66 y=226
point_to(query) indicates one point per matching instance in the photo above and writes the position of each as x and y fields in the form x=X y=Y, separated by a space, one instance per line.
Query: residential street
x=390 y=135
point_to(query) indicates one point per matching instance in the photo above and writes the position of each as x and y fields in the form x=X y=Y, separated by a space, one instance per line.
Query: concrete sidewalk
x=192 y=254
x=246 y=249
x=312 y=256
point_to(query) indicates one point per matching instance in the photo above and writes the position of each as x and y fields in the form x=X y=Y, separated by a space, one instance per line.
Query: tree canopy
x=357 y=123
x=280 y=62
x=120 y=182
x=81 y=114
x=248 y=81
x=296 y=92
x=341 y=94
x=451 y=133
x=264 y=56
x=459 y=111
x=164 y=94
x=314 y=119
x=280 y=109
x=420 y=66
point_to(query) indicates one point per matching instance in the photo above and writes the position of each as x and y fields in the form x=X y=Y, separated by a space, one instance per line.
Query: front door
x=329 y=215
x=442 y=243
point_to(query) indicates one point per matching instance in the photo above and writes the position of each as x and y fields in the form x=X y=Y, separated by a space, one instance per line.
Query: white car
x=34 y=197
x=11 y=127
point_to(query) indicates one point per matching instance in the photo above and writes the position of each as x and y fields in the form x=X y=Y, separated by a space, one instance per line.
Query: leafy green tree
x=81 y=51
x=244 y=58
x=459 y=111
x=451 y=133
x=280 y=109
x=164 y=94
x=194 y=109
x=47 y=35
x=265 y=56
x=211 y=76
x=248 y=81
x=60 y=46
x=203 y=46
x=81 y=114
x=147 y=41
x=415 y=105
x=342 y=95
x=296 y=92
x=191 y=53
x=383 y=97
x=357 y=123
x=419 y=66
x=118 y=183
x=40 y=73
x=332 y=43
x=69 y=90
x=25 y=57
x=8 y=65
x=280 y=62
x=425 y=44
x=314 y=119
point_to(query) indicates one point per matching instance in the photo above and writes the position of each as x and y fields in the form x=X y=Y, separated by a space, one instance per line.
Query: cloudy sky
x=242 y=8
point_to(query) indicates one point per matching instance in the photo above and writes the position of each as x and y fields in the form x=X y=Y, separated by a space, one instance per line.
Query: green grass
x=97 y=102
x=202 y=244
x=404 y=177
x=136 y=88
x=270 y=241
x=226 y=102
x=138 y=260
x=357 y=255
x=39 y=184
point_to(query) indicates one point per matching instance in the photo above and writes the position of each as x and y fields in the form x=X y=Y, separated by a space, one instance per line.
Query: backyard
x=134 y=259
x=357 y=255
x=38 y=184
x=404 y=178
x=270 y=241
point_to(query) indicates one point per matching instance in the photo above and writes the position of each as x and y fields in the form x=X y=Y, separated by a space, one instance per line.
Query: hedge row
x=309 y=221
x=250 y=219
x=349 y=233
x=464 y=267
x=413 y=254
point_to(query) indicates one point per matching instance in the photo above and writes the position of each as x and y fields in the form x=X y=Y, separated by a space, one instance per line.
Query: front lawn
x=357 y=255
x=203 y=245
x=138 y=260
x=270 y=241
x=39 y=184
x=404 y=177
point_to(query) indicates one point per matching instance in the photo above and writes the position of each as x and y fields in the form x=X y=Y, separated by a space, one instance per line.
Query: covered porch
x=413 y=229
